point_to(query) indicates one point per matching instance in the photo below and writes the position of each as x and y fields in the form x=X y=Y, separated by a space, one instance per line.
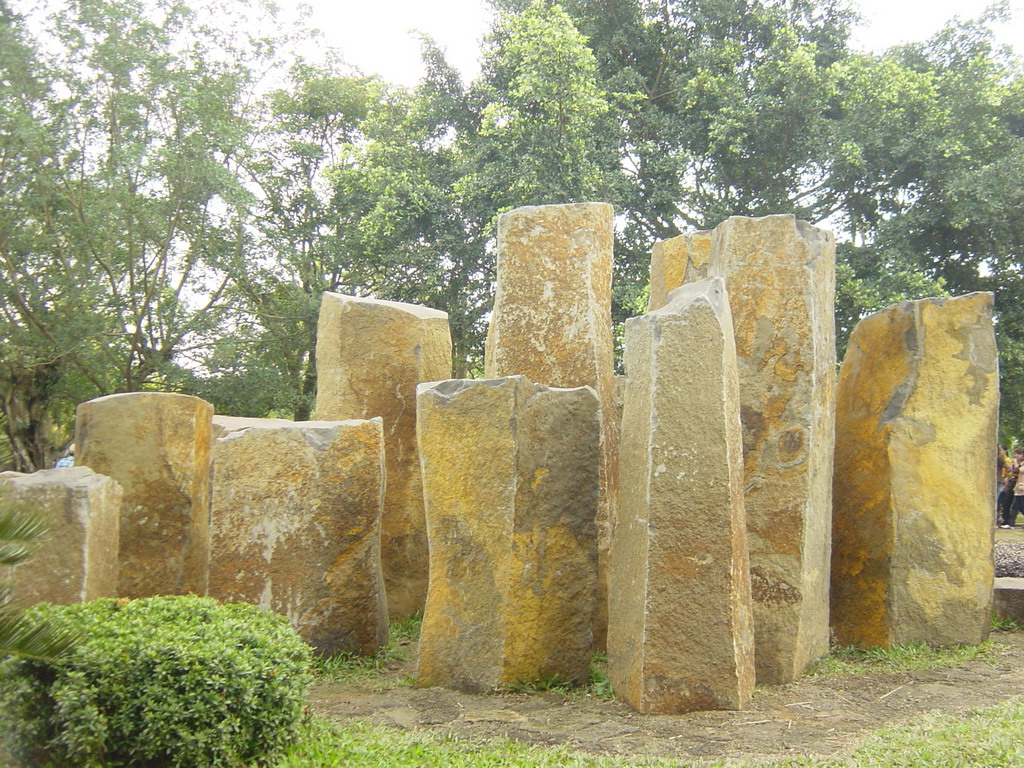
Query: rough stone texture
x=157 y=446
x=75 y=560
x=222 y=425
x=918 y=402
x=1008 y=598
x=680 y=623
x=552 y=323
x=780 y=277
x=510 y=476
x=677 y=261
x=295 y=528
x=370 y=355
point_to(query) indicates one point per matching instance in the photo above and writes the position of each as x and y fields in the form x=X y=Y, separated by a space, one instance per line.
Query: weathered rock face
x=157 y=446
x=370 y=355
x=552 y=323
x=295 y=528
x=677 y=261
x=680 y=624
x=918 y=401
x=75 y=560
x=510 y=474
x=222 y=425
x=780 y=277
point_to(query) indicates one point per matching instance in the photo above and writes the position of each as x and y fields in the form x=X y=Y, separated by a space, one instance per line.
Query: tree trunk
x=27 y=423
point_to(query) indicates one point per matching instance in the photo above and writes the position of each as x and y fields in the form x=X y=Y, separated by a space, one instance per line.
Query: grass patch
x=899 y=658
x=1006 y=625
x=987 y=738
x=326 y=745
x=598 y=687
x=368 y=670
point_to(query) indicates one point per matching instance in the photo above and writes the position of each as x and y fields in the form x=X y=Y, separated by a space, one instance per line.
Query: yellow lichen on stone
x=680 y=630
x=552 y=324
x=675 y=262
x=916 y=425
x=371 y=354
x=780 y=277
x=156 y=445
x=296 y=527
x=75 y=559
x=511 y=487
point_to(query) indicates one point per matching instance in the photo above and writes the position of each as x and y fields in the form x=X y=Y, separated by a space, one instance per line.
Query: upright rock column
x=76 y=558
x=510 y=477
x=680 y=626
x=675 y=262
x=780 y=277
x=295 y=527
x=370 y=355
x=157 y=446
x=918 y=403
x=552 y=323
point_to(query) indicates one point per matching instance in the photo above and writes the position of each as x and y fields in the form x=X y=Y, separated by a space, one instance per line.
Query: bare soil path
x=814 y=716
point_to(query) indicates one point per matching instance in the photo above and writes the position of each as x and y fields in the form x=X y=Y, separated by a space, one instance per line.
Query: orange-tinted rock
x=295 y=528
x=677 y=261
x=75 y=560
x=552 y=324
x=780 y=277
x=680 y=624
x=224 y=424
x=510 y=475
x=370 y=355
x=157 y=446
x=918 y=403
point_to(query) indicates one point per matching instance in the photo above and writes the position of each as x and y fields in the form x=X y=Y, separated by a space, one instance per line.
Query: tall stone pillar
x=675 y=262
x=370 y=355
x=552 y=323
x=75 y=560
x=157 y=446
x=916 y=422
x=780 y=276
x=510 y=477
x=680 y=624
x=295 y=527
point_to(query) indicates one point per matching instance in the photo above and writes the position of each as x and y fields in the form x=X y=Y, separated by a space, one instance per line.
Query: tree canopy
x=170 y=213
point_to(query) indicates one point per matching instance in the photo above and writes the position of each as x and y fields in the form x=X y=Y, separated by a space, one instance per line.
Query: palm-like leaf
x=20 y=635
x=27 y=639
x=18 y=526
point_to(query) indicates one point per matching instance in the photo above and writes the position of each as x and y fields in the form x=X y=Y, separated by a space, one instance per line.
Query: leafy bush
x=161 y=681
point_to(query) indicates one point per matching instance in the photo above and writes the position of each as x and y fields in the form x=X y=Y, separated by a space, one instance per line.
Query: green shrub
x=161 y=681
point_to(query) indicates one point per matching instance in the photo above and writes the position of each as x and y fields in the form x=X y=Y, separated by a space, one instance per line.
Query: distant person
x=1004 y=466
x=1015 y=484
x=68 y=459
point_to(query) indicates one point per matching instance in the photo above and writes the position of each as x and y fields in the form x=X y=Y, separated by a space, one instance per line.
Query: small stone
x=918 y=403
x=510 y=474
x=295 y=528
x=75 y=560
x=157 y=446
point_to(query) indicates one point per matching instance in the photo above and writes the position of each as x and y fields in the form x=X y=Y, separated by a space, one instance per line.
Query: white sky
x=378 y=36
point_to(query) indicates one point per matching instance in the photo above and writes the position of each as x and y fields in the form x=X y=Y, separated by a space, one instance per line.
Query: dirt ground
x=814 y=716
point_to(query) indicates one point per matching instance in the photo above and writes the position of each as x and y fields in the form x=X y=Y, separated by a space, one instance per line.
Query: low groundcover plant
x=161 y=681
